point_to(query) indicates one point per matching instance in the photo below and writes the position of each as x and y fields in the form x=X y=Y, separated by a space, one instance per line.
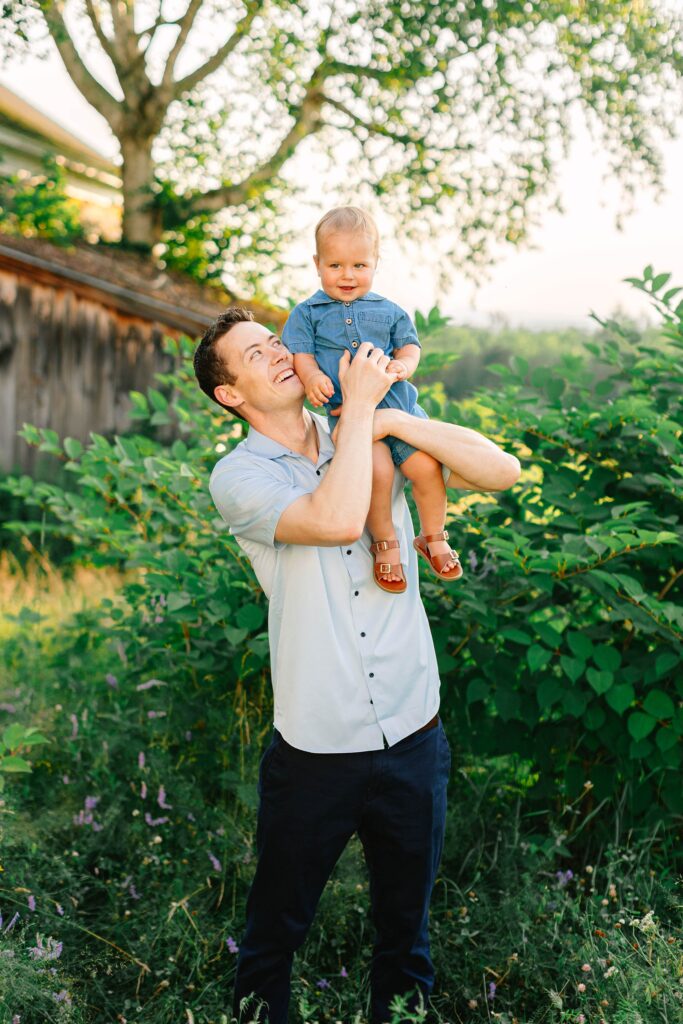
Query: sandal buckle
x=381 y=545
x=385 y=567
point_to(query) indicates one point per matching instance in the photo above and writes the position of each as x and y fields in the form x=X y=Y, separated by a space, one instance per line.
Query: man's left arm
x=474 y=461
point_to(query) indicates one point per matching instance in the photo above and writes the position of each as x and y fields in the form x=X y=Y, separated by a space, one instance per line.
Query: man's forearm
x=343 y=497
x=475 y=462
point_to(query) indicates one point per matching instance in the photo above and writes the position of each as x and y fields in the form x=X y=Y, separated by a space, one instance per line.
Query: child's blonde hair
x=346 y=218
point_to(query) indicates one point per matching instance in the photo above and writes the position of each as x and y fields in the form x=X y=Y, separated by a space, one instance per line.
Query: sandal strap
x=383 y=545
x=439 y=561
x=430 y=537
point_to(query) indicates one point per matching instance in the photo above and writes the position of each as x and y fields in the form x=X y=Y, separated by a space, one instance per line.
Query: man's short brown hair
x=209 y=366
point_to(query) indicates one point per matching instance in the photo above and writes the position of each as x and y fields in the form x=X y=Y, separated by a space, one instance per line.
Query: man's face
x=346 y=263
x=262 y=369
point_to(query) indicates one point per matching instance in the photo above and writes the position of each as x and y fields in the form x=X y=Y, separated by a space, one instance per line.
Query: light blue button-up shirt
x=351 y=665
x=327 y=327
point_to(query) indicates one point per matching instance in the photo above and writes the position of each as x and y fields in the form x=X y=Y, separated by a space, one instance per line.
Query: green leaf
x=620 y=697
x=537 y=657
x=607 y=658
x=659 y=704
x=664 y=663
x=548 y=693
x=236 y=636
x=600 y=681
x=640 y=725
x=580 y=645
x=12 y=763
x=516 y=635
x=72 y=447
x=573 y=668
x=157 y=400
x=507 y=704
x=13 y=735
x=659 y=281
x=666 y=739
x=477 y=689
x=178 y=599
x=250 y=616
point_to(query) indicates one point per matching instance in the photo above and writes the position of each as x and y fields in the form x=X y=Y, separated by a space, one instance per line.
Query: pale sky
x=579 y=257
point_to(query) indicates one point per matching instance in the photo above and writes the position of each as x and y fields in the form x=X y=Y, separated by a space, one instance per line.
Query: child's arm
x=405 y=361
x=317 y=385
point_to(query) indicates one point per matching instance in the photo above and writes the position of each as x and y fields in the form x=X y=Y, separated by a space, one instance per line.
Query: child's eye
x=360 y=265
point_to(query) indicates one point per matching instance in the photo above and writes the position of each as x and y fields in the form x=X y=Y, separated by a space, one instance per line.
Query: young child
x=341 y=315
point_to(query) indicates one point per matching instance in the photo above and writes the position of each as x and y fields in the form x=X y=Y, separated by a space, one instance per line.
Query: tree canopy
x=455 y=113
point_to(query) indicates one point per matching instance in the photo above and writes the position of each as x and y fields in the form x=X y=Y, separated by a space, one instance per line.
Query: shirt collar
x=321 y=297
x=261 y=444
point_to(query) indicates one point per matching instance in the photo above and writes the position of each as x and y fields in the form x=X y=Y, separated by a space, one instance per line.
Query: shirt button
x=348 y=552
x=371 y=701
x=372 y=675
x=349 y=320
x=317 y=472
x=347 y=303
x=355 y=593
x=362 y=634
x=354 y=344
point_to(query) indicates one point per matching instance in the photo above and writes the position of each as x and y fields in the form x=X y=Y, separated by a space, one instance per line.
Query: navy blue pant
x=310 y=806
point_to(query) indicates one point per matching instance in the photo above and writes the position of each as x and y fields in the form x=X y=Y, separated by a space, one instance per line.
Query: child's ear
x=316 y=260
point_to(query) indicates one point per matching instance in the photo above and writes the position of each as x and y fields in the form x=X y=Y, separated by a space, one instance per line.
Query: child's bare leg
x=429 y=491
x=379 y=521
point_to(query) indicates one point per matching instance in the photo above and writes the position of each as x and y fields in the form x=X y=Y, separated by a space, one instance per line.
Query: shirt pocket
x=376 y=328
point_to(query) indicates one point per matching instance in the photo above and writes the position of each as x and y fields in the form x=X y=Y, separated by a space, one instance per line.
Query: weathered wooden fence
x=78 y=331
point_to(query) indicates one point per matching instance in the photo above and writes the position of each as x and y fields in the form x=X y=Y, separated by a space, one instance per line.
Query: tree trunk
x=141 y=220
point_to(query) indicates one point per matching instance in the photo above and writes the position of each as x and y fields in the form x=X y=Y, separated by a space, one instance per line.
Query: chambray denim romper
x=326 y=328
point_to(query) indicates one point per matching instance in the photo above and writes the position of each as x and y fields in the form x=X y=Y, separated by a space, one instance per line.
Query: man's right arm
x=336 y=511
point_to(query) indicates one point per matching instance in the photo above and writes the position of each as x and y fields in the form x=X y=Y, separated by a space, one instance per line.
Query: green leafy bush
x=39 y=206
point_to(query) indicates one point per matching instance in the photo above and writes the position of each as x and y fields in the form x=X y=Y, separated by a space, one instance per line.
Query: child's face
x=346 y=264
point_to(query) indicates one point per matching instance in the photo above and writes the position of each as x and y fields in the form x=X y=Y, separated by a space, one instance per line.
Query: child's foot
x=388 y=570
x=443 y=560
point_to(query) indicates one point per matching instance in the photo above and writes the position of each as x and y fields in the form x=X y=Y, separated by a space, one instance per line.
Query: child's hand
x=399 y=368
x=319 y=389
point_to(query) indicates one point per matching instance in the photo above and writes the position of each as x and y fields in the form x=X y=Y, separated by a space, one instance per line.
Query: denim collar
x=321 y=297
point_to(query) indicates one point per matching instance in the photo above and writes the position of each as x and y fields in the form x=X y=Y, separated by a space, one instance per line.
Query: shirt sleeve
x=297 y=333
x=403 y=330
x=251 y=501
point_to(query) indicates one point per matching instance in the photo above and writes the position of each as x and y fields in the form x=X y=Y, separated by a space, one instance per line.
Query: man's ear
x=227 y=395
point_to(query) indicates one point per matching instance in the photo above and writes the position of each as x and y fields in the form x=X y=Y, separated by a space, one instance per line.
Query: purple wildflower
x=51 y=951
x=65 y=780
x=16 y=1019
x=149 y=684
x=343 y=973
x=472 y=559
x=323 y=983
x=91 y=802
x=62 y=997
x=232 y=945
x=215 y=863
x=188 y=735
x=161 y=799
x=133 y=892
x=9 y=708
x=156 y=714
x=12 y=923
x=74 y=723
x=141 y=759
x=492 y=991
x=190 y=816
x=31 y=902
x=153 y=822
x=60 y=909
x=143 y=790
x=111 y=680
x=564 y=877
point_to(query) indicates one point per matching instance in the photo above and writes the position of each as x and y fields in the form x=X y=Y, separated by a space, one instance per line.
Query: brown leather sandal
x=437 y=562
x=391 y=586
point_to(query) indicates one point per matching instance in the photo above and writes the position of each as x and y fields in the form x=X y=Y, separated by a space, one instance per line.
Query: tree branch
x=94 y=92
x=307 y=120
x=185 y=23
x=214 y=62
x=104 y=40
x=404 y=138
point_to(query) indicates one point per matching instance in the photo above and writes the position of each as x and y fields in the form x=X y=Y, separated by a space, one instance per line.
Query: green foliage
x=39 y=207
x=565 y=642
x=15 y=741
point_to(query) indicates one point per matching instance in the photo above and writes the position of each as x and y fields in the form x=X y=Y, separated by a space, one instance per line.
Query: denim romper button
x=349 y=320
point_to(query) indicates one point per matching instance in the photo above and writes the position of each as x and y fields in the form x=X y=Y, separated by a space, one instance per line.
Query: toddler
x=336 y=319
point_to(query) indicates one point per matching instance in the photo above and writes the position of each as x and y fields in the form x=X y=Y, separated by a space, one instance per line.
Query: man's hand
x=319 y=389
x=366 y=380
x=398 y=367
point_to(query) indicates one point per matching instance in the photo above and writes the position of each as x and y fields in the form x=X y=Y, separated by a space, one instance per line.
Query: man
x=358 y=746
